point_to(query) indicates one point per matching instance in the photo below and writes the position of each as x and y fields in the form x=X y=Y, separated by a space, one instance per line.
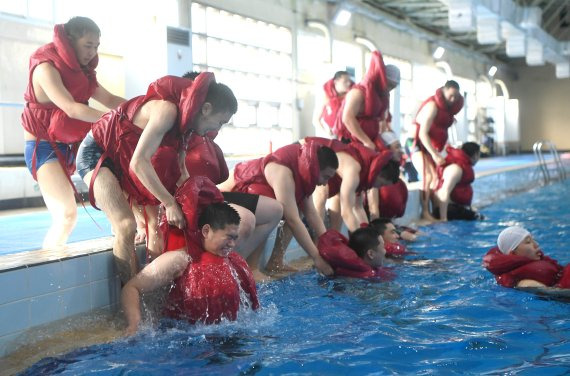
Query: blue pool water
x=443 y=314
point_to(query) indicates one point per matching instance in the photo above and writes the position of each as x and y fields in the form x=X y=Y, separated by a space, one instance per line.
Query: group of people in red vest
x=154 y=157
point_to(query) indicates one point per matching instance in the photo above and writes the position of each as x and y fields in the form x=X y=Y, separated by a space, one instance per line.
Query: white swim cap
x=389 y=138
x=510 y=238
x=393 y=73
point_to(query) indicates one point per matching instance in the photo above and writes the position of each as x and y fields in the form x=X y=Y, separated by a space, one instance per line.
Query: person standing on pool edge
x=137 y=149
x=367 y=103
x=57 y=117
x=435 y=116
x=328 y=104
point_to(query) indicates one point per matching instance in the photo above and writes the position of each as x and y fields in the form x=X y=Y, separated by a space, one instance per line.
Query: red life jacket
x=395 y=249
x=300 y=159
x=462 y=194
x=209 y=289
x=116 y=134
x=510 y=269
x=45 y=120
x=205 y=158
x=333 y=248
x=370 y=162
x=334 y=102
x=393 y=199
x=442 y=121
x=374 y=87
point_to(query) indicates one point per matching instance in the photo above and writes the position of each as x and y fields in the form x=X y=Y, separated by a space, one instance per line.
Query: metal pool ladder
x=543 y=164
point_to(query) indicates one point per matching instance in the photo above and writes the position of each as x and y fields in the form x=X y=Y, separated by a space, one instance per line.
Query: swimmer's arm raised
x=163 y=270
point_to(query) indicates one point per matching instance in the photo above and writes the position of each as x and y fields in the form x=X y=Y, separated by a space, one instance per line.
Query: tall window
x=405 y=112
x=254 y=59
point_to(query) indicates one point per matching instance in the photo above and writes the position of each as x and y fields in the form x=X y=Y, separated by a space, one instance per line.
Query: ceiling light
x=341 y=16
x=438 y=53
x=492 y=71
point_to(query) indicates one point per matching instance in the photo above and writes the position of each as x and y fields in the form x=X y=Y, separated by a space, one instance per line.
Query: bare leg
x=267 y=215
x=320 y=196
x=334 y=213
x=109 y=197
x=427 y=173
x=246 y=229
x=275 y=263
x=60 y=201
x=155 y=242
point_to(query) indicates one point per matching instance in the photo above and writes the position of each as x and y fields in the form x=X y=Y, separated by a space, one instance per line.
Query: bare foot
x=259 y=276
x=280 y=268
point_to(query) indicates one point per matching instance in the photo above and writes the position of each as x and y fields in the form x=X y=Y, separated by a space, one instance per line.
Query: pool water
x=443 y=314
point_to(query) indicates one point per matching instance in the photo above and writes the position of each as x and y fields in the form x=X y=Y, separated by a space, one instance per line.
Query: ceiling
x=432 y=16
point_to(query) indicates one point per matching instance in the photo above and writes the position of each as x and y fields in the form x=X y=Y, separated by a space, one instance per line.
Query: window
x=254 y=58
x=404 y=114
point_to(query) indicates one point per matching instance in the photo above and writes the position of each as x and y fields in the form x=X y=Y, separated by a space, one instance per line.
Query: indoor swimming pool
x=442 y=314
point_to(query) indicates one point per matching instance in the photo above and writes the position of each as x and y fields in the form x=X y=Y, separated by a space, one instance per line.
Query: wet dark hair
x=471 y=148
x=218 y=215
x=391 y=171
x=327 y=158
x=451 y=84
x=77 y=27
x=363 y=239
x=191 y=75
x=380 y=224
x=339 y=74
x=221 y=98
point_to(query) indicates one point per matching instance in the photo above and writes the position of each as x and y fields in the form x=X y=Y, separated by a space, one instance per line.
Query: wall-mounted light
x=341 y=15
x=492 y=71
x=366 y=43
x=438 y=53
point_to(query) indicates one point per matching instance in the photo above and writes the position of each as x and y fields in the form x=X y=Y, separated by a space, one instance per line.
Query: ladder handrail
x=543 y=165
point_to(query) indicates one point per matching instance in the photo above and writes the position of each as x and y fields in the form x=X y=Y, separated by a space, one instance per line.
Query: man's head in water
x=342 y=82
x=219 y=224
x=518 y=241
x=473 y=150
x=368 y=245
x=451 y=92
x=328 y=163
x=218 y=108
x=386 y=229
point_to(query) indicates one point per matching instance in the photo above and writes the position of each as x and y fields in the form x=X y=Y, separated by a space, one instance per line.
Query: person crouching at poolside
x=518 y=261
x=360 y=256
x=208 y=275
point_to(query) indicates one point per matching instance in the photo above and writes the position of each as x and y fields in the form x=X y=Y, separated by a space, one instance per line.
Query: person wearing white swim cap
x=517 y=240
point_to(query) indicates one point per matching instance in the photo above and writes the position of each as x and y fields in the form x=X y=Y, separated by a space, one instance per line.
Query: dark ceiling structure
x=432 y=16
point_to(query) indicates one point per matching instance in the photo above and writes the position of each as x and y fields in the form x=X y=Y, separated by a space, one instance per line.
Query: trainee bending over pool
x=517 y=261
x=290 y=175
x=136 y=150
x=200 y=260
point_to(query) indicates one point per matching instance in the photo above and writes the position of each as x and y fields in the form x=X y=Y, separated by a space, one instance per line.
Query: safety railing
x=543 y=164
